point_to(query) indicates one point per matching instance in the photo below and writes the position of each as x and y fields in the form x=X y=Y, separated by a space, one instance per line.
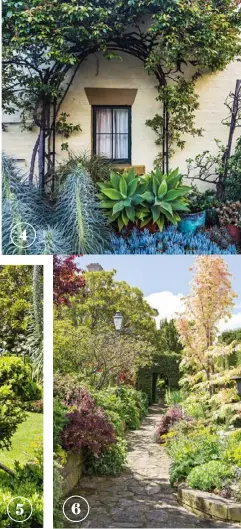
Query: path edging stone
x=206 y=504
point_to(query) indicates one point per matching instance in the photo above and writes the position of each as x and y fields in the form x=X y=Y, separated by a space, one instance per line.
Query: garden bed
x=210 y=505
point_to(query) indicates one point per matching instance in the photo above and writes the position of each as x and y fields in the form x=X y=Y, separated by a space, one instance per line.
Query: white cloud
x=167 y=304
x=233 y=323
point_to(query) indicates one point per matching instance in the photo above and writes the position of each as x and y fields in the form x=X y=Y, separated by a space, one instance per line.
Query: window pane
x=103 y=120
x=120 y=147
x=120 y=120
x=104 y=145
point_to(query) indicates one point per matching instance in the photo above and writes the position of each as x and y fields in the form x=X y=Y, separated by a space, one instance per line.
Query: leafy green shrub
x=134 y=405
x=209 y=476
x=16 y=388
x=130 y=405
x=60 y=420
x=111 y=462
x=188 y=451
x=28 y=482
x=232 y=453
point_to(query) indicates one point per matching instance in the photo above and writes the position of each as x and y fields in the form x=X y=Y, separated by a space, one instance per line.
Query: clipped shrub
x=209 y=476
x=169 y=242
x=110 y=462
x=169 y=418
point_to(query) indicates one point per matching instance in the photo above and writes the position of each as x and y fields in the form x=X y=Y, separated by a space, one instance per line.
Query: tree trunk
x=41 y=158
x=6 y=469
x=227 y=153
x=33 y=159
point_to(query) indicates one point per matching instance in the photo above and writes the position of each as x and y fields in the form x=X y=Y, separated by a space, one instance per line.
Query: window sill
x=138 y=169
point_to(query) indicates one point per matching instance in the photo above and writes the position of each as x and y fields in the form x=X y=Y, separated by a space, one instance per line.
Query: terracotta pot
x=234 y=232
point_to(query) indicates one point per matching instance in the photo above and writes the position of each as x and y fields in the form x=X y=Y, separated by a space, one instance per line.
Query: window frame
x=113 y=107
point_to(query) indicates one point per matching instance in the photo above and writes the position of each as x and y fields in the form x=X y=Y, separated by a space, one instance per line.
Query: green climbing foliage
x=177 y=41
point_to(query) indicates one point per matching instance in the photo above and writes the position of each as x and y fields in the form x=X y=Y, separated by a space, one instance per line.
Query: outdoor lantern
x=118 y=320
x=238 y=382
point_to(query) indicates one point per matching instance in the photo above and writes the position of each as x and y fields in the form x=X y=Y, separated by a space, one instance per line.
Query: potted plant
x=229 y=215
x=201 y=211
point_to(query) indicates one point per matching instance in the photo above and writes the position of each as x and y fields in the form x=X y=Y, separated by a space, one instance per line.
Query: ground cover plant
x=21 y=419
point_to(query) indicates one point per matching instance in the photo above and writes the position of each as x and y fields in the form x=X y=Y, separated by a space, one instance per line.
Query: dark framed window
x=112 y=132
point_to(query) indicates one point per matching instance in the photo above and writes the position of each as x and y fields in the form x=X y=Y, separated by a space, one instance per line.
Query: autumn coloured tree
x=204 y=363
x=68 y=279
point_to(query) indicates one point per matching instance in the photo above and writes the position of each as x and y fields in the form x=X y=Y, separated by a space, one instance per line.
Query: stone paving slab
x=142 y=496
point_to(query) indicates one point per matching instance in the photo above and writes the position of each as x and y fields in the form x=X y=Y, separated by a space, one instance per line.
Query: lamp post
x=118 y=321
x=238 y=382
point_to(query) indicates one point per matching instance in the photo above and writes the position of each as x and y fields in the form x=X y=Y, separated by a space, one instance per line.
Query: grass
x=24 y=441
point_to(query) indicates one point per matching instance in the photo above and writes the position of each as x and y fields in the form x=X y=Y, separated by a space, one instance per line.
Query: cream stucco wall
x=129 y=73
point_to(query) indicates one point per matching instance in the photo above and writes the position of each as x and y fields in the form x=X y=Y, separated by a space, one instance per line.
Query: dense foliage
x=15 y=304
x=73 y=223
x=28 y=483
x=95 y=421
x=153 y=198
x=59 y=36
x=205 y=370
x=68 y=279
x=16 y=388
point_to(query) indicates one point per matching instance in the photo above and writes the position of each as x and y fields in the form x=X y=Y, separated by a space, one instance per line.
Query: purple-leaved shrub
x=173 y=415
x=87 y=427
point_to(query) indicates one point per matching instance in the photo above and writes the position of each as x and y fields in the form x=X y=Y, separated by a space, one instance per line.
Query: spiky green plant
x=21 y=202
x=35 y=341
x=164 y=198
x=74 y=224
x=121 y=195
x=79 y=216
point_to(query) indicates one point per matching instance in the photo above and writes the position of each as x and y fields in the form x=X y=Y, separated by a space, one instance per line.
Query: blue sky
x=164 y=279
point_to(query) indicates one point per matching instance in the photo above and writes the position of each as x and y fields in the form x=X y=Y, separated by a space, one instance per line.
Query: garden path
x=142 y=496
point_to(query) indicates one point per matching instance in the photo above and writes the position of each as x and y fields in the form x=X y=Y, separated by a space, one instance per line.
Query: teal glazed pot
x=191 y=222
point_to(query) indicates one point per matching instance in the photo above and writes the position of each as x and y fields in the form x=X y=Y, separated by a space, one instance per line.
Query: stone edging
x=209 y=505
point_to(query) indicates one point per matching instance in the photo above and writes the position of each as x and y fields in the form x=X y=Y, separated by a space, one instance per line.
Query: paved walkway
x=142 y=495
